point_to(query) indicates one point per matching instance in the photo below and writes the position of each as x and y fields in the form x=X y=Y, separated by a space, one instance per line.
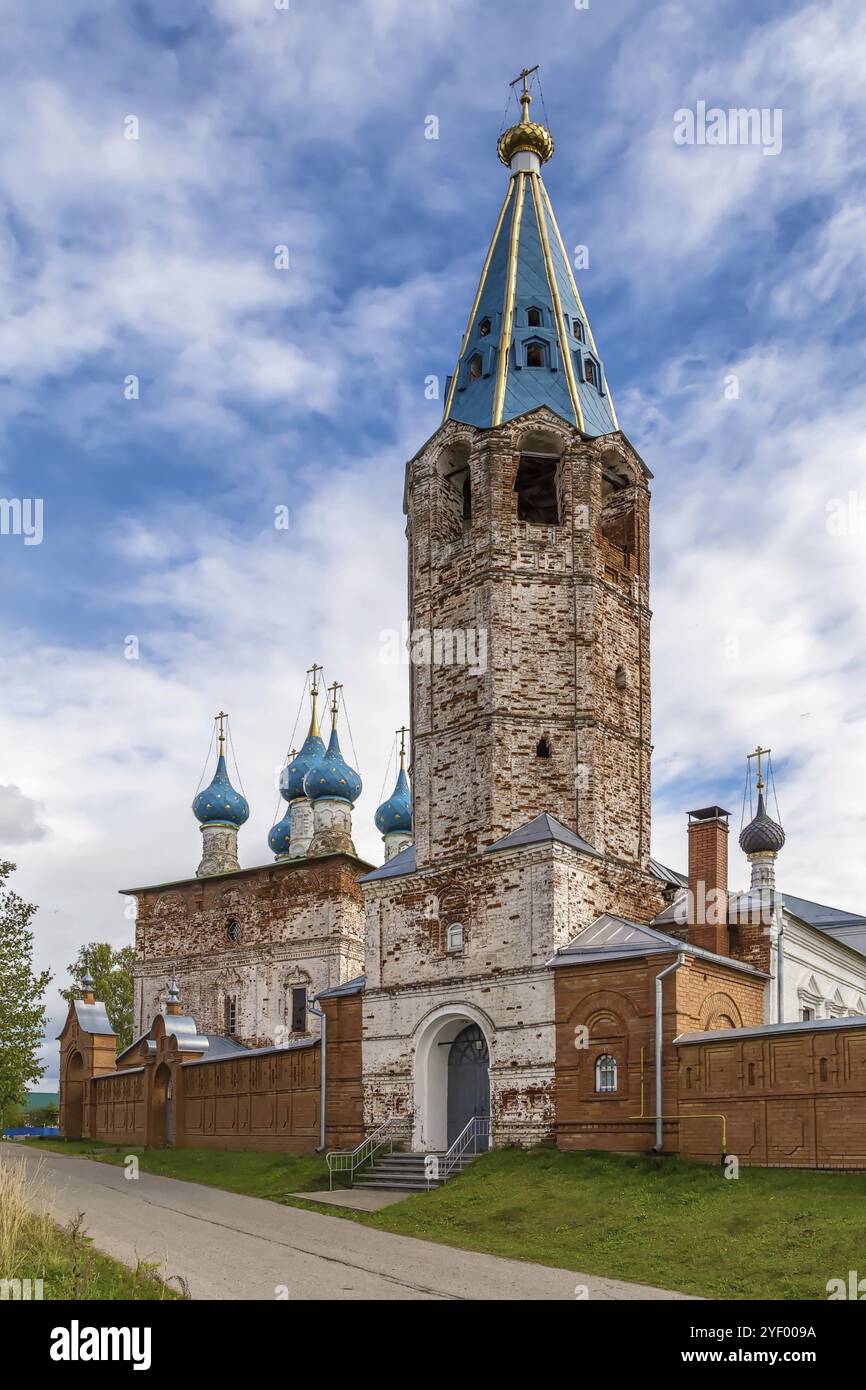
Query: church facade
x=518 y=959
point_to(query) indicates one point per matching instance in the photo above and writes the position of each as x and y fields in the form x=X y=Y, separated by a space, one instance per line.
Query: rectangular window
x=807 y=1014
x=231 y=1014
x=299 y=1010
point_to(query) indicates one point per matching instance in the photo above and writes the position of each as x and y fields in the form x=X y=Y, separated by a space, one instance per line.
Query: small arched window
x=578 y=330
x=605 y=1073
x=535 y=355
x=590 y=372
x=475 y=366
x=542 y=748
x=233 y=929
x=455 y=936
x=533 y=317
x=484 y=328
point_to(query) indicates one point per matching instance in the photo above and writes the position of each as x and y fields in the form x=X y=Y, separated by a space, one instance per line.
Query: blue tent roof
x=528 y=298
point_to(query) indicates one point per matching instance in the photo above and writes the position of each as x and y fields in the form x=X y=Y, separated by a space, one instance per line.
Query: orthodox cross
x=759 y=753
x=221 y=718
x=334 y=702
x=522 y=77
x=402 y=732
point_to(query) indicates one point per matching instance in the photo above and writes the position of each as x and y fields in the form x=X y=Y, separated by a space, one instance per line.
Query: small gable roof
x=616 y=938
x=92 y=1018
x=542 y=830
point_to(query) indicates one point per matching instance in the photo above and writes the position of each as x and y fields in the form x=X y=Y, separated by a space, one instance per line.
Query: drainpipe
x=668 y=970
x=780 y=961
x=323 y=1096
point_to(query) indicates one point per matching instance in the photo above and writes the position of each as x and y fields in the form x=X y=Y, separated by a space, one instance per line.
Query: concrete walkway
x=228 y=1246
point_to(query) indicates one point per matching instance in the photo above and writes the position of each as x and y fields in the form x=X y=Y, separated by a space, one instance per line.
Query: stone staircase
x=403 y=1172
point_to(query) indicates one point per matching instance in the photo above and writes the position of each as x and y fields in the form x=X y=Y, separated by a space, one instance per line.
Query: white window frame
x=455 y=938
x=606 y=1057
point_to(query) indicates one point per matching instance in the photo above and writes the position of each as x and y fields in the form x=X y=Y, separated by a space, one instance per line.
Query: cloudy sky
x=726 y=291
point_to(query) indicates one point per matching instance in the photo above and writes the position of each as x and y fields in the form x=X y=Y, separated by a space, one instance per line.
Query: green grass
x=771 y=1233
x=33 y=1248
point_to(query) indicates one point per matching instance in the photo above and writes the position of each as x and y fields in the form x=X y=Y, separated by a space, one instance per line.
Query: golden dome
x=526 y=135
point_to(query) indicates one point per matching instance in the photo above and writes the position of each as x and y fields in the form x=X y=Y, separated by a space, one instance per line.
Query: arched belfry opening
x=537 y=483
x=455 y=488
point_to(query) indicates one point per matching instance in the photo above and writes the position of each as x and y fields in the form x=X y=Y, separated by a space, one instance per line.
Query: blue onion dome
x=280 y=836
x=762 y=835
x=292 y=776
x=220 y=804
x=332 y=776
x=396 y=812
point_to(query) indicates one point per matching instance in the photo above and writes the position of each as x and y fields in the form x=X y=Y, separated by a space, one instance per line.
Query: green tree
x=44 y=1115
x=22 y=1013
x=111 y=971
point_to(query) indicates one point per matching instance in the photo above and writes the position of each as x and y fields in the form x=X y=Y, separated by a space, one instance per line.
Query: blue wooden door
x=468 y=1082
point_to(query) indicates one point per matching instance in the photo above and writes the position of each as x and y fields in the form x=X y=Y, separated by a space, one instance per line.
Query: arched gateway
x=452 y=1078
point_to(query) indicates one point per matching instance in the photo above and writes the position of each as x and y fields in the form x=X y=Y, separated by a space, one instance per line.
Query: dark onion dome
x=332 y=776
x=220 y=804
x=762 y=835
x=280 y=836
x=396 y=812
x=292 y=776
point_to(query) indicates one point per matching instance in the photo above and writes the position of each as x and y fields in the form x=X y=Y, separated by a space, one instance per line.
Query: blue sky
x=305 y=127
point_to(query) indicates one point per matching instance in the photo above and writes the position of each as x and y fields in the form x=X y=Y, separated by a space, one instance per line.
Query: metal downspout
x=668 y=970
x=780 y=962
x=323 y=1096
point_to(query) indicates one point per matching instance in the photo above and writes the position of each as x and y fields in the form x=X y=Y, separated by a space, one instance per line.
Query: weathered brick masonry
x=564 y=610
x=296 y=923
x=791 y=1096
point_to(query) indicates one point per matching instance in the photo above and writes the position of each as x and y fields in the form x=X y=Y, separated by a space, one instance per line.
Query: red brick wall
x=116 y=1107
x=269 y=1101
x=791 y=1100
x=616 y=1002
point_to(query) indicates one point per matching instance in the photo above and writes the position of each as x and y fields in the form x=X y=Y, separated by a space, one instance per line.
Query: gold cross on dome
x=759 y=753
x=221 y=718
x=522 y=77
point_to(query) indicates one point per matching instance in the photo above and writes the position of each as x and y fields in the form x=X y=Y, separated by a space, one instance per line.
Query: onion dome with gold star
x=312 y=750
x=219 y=803
x=396 y=813
x=280 y=836
x=332 y=776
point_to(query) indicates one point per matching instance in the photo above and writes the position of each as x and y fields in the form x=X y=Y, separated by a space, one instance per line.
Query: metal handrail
x=347 y=1160
x=480 y=1126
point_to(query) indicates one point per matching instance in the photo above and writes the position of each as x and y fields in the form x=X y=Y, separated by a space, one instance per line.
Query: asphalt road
x=228 y=1246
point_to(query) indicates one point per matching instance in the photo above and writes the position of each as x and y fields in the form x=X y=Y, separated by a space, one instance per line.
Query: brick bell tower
x=528 y=525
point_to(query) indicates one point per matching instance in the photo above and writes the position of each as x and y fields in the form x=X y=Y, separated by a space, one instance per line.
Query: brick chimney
x=708 y=879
